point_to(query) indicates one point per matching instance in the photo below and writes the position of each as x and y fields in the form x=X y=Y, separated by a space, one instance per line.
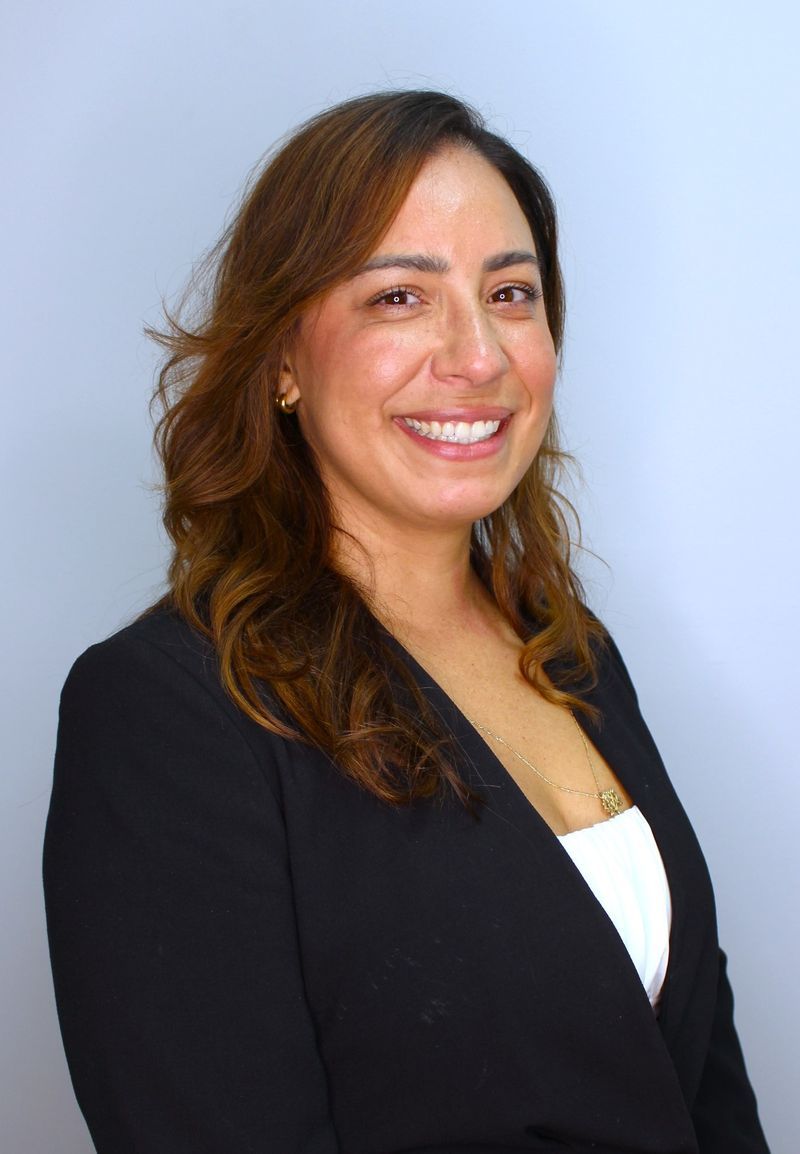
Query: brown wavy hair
x=251 y=523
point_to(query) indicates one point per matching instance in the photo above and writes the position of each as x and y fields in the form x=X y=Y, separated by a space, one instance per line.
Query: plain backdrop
x=669 y=132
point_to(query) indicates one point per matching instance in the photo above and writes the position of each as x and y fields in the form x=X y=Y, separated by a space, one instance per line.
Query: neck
x=420 y=584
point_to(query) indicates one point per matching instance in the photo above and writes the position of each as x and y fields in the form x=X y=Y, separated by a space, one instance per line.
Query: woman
x=358 y=841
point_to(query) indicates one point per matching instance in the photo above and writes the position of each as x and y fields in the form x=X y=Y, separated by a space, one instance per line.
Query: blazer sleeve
x=724 y=1113
x=171 y=921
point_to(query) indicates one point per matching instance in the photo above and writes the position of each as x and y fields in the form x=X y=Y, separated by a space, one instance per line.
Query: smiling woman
x=358 y=840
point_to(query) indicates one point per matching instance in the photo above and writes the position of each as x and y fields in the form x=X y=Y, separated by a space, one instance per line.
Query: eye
x=512 y=294
x=396 y=298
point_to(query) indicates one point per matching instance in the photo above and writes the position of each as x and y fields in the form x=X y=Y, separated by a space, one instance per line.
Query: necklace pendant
x=611 y=802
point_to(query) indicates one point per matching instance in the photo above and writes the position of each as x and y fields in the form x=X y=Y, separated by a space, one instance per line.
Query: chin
x=464 y=516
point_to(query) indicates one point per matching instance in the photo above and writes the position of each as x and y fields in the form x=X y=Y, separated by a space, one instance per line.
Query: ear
x=287 y=384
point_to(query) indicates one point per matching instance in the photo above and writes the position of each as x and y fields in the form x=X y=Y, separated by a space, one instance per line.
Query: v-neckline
x=475 y=749
x=423 y=675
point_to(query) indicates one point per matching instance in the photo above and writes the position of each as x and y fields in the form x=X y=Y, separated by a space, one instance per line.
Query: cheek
x=539 y=373
x=550 y=388
x=383 y=362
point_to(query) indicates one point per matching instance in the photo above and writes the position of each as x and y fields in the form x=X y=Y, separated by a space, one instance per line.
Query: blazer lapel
x=605 y=987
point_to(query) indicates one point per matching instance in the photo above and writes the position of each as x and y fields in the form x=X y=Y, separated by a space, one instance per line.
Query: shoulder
x=607 y=679
x=159 y=640
x=608 y=688
x=151 y=694
x=612 y=672
x=158 y=656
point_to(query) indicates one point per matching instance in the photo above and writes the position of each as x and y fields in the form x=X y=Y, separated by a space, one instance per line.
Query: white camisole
x=622 y=866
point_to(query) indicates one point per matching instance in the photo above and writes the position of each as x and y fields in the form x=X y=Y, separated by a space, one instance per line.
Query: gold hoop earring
x=285 y=406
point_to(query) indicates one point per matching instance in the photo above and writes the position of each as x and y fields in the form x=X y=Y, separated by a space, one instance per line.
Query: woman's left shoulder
x=612 y=672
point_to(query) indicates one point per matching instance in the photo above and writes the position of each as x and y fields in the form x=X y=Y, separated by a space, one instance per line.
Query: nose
x=469 y=348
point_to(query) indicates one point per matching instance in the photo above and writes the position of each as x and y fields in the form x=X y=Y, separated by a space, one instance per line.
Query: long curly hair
x=299 y=649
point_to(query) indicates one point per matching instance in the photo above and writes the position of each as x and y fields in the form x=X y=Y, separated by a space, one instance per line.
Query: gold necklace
x=609 y=798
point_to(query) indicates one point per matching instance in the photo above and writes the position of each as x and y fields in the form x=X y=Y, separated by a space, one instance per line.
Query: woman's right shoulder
x=159 y=640
x=156 y=659
x=145 y=711
x=157 y=671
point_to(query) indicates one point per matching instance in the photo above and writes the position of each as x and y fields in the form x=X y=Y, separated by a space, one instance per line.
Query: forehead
x=458 y=197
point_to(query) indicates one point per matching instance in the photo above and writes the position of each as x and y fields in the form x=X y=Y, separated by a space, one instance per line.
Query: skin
x=444 y=322
x=460 y=344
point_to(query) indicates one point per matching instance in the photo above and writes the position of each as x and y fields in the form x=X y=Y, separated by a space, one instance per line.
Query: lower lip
x=452 y=450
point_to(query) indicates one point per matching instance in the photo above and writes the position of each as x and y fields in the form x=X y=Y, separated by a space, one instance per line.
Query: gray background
x=669 y=134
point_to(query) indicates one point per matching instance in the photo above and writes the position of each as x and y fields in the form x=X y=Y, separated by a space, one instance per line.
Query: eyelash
x=383 y=297
x=532 y=293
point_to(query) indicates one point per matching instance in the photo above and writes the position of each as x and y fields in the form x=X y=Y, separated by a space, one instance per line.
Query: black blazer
x=252 y=955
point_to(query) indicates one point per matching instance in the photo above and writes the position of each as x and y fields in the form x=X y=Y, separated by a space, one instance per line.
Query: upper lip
x=459 y=413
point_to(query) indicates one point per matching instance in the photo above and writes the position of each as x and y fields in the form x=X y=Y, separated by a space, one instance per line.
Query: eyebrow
x=506 y=259
x=418 y=262
x=423 y=262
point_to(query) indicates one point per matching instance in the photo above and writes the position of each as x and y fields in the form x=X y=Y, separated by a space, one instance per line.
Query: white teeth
x=456 y=432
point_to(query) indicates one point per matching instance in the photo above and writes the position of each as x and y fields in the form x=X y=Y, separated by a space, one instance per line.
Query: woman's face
x=426 y=379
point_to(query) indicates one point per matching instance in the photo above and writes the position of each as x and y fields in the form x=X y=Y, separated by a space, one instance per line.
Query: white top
x=620 y=861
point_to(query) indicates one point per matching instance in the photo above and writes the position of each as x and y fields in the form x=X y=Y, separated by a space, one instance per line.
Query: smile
x=454 y=432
